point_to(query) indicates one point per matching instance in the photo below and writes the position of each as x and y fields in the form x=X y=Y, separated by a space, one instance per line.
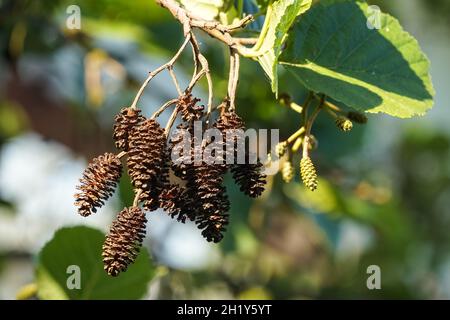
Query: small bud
x=285 y=99
x=357 y=117
x=287 y=171
x=308 y=173
x=344 y=124
x=281 y=148
x=313 y=143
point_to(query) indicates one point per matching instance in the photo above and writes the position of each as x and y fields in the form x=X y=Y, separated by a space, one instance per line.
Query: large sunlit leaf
x=280 y=16
x=81 y=247
x=332 y=50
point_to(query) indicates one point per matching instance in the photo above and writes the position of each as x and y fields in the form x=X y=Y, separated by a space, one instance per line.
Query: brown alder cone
x=173 y=200
x=247 y=176
x=181 y=164
x=98 y=183
x=230 y=125
x=146 y=161
x=188 y=108
x=250 y=178
x=124 y=240
x=209 y=200
x=125 y=121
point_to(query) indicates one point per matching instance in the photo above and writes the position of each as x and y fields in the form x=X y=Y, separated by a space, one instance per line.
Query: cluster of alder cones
x=192 y=191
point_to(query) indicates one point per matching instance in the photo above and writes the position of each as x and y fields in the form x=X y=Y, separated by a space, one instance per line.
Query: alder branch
x=214 y=29
x=154 y=73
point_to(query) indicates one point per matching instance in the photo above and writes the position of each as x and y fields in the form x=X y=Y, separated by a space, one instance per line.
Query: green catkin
x=357 y=117
x=308 y=173
x=344 y=124
x=287 y=171
x=281 y=148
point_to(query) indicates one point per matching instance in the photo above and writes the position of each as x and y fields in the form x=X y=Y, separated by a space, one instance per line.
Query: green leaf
x=332 y=51
x=280 y=16
x=207 y=9
x=82 y=246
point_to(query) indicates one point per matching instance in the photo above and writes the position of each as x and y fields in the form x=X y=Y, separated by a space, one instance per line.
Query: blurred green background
x=383 y=197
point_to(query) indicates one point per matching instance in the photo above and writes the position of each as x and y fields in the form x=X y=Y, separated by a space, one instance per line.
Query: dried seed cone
x=287 y=171
x=124 y=240
x=213 y=226
x=98 y=183
x=229 y=120
x=146 y=161
x=229 y=124
x=357 y=117
x=183 y=161
x=281 y=149
x=344 y=124
x=173 y=200
x=188 y=108
x=206 y=200
x=308 y=173
x=249 y=178
x=125 y=121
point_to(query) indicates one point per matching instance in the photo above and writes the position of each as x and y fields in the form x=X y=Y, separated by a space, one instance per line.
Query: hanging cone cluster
x=200 y=195
x=308 y=173
x=124 y=240
x=98 y=183
x=125 y=121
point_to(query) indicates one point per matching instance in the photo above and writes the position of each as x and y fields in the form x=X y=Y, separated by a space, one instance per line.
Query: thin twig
x=163 y=107
x=233 y=77
x=154 y=73
x=195 y=51
x=196 y=79
x=121 y=154
x=246 y=41
x=196 y=76
x=296 y=134
x=170 y=122
x=205 y=67
x=309 y=126
x=175 y=80
x=137 y=195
